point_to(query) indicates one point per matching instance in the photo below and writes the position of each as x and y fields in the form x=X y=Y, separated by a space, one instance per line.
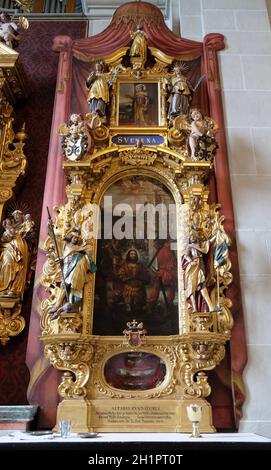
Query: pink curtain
x=212 y=44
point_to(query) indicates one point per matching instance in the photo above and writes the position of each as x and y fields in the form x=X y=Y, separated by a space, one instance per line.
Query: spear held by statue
x=51 y=227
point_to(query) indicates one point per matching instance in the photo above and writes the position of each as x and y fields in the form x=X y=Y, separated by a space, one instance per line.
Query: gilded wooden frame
x=137 y=83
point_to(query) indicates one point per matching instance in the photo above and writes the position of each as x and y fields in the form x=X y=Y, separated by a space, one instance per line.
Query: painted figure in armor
x=134 y=276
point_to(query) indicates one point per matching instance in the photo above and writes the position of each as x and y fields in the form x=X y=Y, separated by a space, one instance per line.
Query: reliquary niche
x=138 y=259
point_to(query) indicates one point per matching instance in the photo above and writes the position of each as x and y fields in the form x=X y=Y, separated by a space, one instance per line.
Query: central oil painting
x=137 y=263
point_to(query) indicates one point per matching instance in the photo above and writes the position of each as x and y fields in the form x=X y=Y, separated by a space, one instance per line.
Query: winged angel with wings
x=197 y=133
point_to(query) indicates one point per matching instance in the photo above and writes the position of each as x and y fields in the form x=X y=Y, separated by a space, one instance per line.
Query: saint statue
x=139 y=45
x=76 y=263
x=16 y=253
x=180 y=89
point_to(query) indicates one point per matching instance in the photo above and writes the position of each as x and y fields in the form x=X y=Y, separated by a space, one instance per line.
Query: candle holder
x=194 y=413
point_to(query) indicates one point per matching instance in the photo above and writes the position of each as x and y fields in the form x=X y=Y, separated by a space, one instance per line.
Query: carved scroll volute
x=74 y=358
x=196 y=356
x=11 y=322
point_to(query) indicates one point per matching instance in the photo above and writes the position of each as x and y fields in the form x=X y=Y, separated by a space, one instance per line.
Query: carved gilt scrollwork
x=74 y=357
x=12 y=157
x=11 y=322
x=138 y=157
x=17 y=242
x=197 y=356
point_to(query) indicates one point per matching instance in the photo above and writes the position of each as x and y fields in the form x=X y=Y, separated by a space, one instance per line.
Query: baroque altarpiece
x=135 y=309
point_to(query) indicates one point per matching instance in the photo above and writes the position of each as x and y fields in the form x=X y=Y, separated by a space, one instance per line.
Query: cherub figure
x=201 y=139
x=9 y=29
x=195 y=135
x=9 y=230
x=198 y=128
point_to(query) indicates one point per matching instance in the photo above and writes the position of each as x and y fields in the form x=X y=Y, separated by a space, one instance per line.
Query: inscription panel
x=139 y=414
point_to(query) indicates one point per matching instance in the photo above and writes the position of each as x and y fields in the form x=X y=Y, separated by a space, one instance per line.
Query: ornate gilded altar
x=136 y=345
x=14 y=253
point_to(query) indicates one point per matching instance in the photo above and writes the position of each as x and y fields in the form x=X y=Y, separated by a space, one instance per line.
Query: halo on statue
x=17 y=206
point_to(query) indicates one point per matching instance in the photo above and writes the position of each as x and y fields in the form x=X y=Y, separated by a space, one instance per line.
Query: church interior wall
x=245 y=67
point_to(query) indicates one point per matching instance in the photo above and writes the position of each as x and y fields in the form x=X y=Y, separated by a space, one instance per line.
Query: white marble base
x=17 y=436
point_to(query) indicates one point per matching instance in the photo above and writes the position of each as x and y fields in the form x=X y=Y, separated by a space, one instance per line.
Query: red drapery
x=70 y=97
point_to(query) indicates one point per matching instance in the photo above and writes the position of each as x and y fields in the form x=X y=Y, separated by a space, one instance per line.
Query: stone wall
x=245 y=73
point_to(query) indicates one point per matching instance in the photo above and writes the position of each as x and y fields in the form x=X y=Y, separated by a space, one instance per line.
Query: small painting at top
x=138 y=104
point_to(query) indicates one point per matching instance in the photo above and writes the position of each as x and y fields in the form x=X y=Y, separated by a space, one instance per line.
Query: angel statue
x=196 y=134
x=9 y=29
